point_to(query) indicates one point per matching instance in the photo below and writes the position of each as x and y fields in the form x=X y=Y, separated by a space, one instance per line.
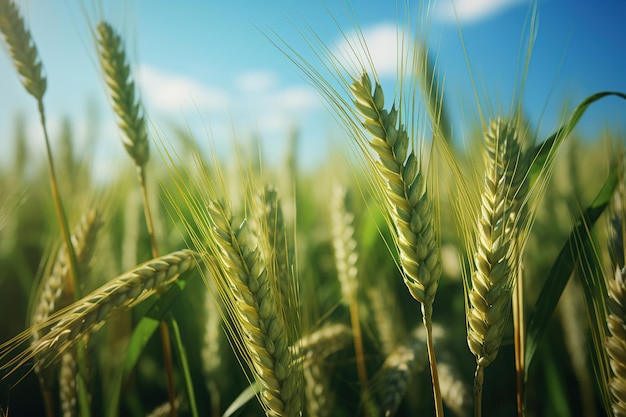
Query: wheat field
x=412 y=275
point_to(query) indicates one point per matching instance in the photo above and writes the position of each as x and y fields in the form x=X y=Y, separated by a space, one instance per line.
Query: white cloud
x=256 y=81
x=382 y=47
x=469 y=11
x=169 y=92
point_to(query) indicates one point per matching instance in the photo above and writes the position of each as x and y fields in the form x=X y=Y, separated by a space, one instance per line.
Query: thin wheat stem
x=479 y=378
x=519 y=336
x=141 y=174
x=428 y=324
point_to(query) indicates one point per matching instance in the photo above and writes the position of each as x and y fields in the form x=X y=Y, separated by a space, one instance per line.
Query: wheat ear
x=317 y=390
x=346 y=257
x=122 y=91
x=397 y=372
x=272 y=236
x=321 y=343
x=408 y=204
x=84 y=316
x=250 y=297
x=67 y=384
x=496 y=257
x=312 y=350
x=456 y=393
x=83 y=241
x=616 y=320
x=22 y=49
x=54 y=293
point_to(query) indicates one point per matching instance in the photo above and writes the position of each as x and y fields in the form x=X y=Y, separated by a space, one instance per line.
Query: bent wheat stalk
x=68 y=326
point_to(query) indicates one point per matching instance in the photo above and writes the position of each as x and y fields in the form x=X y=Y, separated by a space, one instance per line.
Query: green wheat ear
x=126 y=105
x=22 y=49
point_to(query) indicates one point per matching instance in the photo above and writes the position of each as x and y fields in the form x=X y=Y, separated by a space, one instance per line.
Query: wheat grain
x=22 y=49
x=122 y=90
x=84 y=316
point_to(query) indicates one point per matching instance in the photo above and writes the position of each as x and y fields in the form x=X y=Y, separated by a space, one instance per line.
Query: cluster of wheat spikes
x=308 y=283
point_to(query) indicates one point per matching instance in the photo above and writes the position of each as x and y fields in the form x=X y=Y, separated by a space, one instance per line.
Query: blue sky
x=207 y=64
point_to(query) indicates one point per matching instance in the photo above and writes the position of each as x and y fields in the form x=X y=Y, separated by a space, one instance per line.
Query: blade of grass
x=242 y=399
x=589 y=272
x=184 y=364
x=547 y=149
x=144 y=330
x=562 y=270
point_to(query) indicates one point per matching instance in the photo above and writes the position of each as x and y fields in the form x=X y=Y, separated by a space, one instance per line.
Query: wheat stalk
x=408 y=204
x=250 y=298
x=71 y=324
x=122 y=90
x=497 y=251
